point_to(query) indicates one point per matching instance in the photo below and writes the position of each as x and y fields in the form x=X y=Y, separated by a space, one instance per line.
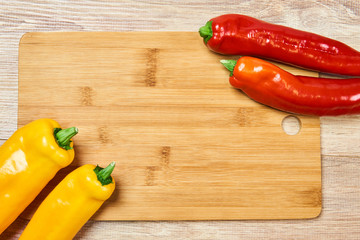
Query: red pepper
x=234 y=34
x=277 y=88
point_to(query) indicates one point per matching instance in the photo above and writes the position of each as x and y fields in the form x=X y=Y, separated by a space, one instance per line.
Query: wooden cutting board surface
x=187 y=145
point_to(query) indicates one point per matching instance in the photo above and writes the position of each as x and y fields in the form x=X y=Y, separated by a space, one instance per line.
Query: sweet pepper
x=71 y=204
x=29 y=159
x=272 y=86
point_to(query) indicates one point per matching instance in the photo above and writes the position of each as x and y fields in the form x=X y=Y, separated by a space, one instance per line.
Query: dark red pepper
x=234 y=34
x=277 y=88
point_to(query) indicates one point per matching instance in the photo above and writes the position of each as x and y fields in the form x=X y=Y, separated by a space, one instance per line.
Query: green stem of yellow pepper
x=63 y=136
x=104 y=174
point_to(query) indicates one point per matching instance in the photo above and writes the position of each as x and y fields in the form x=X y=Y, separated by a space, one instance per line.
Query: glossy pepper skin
x=277 y=88
x=234 y=34
x=29 y=159
x=70 y=205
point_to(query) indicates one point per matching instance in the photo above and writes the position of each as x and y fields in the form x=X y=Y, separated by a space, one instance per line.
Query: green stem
x=63 y=136
x=230 y=65
x=206 y=31
x=104 y=174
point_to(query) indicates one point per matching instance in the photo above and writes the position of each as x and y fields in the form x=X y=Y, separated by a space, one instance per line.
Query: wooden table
x=340 y=136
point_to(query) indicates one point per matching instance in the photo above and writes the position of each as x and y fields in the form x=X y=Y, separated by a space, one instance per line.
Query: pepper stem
x=230 y=65
x=104 y=174
x=63 y=136
x=206 y=31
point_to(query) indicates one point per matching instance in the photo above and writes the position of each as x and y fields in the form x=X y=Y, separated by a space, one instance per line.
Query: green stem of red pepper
x=206 y=31
x=230 y=65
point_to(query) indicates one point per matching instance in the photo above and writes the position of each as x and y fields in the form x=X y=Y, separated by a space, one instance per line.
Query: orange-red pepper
x=272 y=86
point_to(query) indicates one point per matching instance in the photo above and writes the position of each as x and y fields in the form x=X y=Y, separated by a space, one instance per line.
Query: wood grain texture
x=188 y=146
x=340 y=141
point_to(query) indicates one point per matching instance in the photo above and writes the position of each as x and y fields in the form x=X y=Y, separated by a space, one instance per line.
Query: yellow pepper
x=29 y=159
x=71 y=204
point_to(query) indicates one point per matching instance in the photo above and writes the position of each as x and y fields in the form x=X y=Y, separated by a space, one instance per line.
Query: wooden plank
x=187 y=145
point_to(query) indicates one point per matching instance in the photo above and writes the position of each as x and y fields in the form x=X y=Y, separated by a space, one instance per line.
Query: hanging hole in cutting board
x=291 y=125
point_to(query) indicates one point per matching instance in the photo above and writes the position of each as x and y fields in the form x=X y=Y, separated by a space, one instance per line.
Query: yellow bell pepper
x=29 y=159
x=71 y=204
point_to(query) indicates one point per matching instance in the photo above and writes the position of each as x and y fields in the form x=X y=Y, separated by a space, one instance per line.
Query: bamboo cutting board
x=187 y=145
